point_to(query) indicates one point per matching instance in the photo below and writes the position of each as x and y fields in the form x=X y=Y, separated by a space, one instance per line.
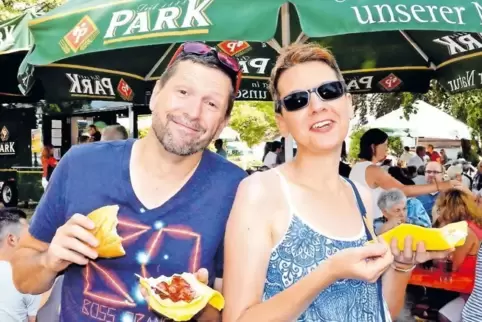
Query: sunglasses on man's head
x=300 y=99
x=201 y=49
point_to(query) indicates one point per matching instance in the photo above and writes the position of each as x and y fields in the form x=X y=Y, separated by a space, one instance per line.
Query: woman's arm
x=248 y=246
x=375 y=176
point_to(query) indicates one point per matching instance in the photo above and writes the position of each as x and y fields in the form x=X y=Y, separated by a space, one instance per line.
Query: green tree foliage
x=11 y=8
x=254 y=121
x=395 y=144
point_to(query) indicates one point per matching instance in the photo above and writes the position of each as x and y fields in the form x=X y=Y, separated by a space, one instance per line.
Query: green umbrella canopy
x=15 y=41
x=116 y=50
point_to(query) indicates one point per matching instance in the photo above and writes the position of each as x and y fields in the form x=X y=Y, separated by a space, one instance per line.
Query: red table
x=461 y=282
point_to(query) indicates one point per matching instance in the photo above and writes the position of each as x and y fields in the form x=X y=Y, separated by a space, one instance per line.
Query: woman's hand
x=409 y=257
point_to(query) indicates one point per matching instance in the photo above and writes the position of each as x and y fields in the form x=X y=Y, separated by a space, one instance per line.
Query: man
x=433 y=174
x=218 y=144
x=406 y=156
x=14 y=306
x=94 y=133
x=417 y=160
x=434 y=155
x=174 y=198
x=270 y=159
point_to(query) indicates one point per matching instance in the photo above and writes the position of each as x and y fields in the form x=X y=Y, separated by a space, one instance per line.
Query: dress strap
x=370 y=236
x=285 y=187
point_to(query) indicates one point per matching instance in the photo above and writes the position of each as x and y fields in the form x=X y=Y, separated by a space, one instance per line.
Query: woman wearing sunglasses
x=295 y=242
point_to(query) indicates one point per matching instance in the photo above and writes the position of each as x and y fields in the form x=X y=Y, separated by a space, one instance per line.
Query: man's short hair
x=208 y=61
x=296 y=54
x=406 y=148
x=275 y=146
x=10 y=221
x=218 y=143
x=119 y=129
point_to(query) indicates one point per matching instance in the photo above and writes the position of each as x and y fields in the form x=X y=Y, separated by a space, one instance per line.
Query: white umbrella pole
x=286 y=39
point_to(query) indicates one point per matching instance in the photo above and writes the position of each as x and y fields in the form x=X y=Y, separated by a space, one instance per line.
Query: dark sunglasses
x=201 y=49
x=300 y=99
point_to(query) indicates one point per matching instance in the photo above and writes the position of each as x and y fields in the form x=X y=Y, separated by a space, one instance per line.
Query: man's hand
x=409 y=257
x=72 y=244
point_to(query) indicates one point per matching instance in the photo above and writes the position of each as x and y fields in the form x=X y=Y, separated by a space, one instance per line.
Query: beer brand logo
x=390 y=83
x=4 y=134
x=124 y=90
x=234 y=48
x=80 y=37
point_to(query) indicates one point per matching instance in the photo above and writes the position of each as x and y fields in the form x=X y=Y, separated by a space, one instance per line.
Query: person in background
x=267 y=149
x=280 y=159
x=418 y=160
x=373 y=149
x=83 y=139
x=455 y=206
x=411 y=172
x=270 y=159
x=398 y=209
x=400 y=174
x=218 y=145
x=472 y=311
x=48 y=164
x=434 y=155
x=454 y=172
x=114 y=132
x=344 y=168
x=443 y=157
x=94 y=133
x=467 y=179
x=434 y=172
x=406 y=156
x=14 y=306
x=477 y=181
x=420 y=176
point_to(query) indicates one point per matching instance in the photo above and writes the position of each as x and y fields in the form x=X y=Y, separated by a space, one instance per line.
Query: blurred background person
x=270 y=159
x=477 y=181
x=398 y=209
x=406 y=156
x=433 y=155
x=14 y=306
x=48 y=164
x=83 y=139
x=418 y=159
x=114 y=133
x=344 y=168
x=94 y=133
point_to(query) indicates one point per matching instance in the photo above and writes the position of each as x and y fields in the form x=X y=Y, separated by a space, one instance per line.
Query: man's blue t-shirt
x=183 y=235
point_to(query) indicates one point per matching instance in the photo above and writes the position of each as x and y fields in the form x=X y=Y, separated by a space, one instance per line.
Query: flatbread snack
x=180 y=297
x=110 y=243
x=435 y=239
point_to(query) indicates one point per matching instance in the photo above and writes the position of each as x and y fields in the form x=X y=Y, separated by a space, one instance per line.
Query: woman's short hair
x=369 y=138
x=390 y=198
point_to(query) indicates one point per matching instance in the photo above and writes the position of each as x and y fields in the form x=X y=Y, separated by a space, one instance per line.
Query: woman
x=295 y=245
x=443 y=157
x=48 y=164
x=454 y=206
x=397 y=209
x=373 y=149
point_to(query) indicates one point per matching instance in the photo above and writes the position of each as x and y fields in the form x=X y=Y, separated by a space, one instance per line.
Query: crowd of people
x=287 y=244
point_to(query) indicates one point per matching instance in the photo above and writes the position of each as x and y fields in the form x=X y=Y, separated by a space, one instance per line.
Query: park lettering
x=7 y=148
x=460 y=43
x=409 y=13
x=80 y=84
x=128 y=22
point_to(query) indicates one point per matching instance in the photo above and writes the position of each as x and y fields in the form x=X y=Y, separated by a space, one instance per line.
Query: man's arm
x=32 y=304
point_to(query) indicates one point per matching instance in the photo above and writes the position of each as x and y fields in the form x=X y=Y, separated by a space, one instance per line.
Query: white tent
x=427 y=122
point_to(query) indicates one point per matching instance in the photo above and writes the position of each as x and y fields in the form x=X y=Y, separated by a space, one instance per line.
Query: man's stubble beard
x=171 y=145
